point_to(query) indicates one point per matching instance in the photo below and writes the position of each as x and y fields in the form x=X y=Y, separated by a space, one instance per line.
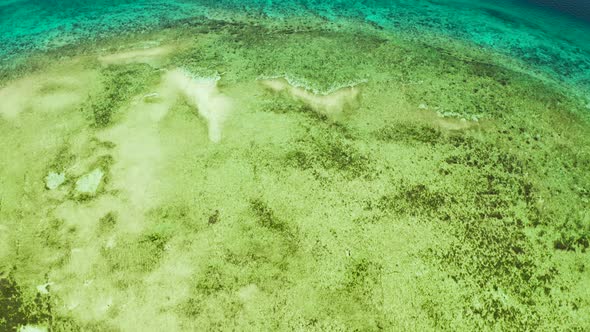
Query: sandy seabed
x=290 y=176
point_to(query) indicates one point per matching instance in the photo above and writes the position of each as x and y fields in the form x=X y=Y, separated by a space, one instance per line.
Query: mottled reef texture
x=452 y=193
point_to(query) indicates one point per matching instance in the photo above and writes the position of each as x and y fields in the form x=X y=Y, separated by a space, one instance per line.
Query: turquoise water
x=550 y=41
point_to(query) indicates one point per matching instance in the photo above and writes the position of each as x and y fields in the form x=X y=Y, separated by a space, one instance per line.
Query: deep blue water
x=551 y=35
x=576 y=8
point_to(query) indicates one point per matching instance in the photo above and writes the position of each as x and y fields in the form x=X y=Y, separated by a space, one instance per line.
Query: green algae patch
x=121 y=82
x=19 y=309
x=52 y=92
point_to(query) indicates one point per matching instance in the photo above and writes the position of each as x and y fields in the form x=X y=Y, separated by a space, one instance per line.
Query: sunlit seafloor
x=305 y=165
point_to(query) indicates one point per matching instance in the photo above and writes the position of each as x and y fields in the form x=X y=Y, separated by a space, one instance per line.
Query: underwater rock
x=88 y=184
x=54 y=180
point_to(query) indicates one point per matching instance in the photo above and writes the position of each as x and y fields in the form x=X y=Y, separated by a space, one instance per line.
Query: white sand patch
x=247 y=293
x=44 y=288
x=150 y=56
x=137 y=177
x=51 y=91
x=144 y=315
x=32 y=328
x=56 y=101
x=134 y=175
x=82 y=259
x=88 y=184
x=95 y=300
x=455 y=124
x=54 y=180
x=138 y=152
x=331 y=105
x=448 y=120
x=138 y=157
x=204 y=94
x=168 y=285
x=136 y=162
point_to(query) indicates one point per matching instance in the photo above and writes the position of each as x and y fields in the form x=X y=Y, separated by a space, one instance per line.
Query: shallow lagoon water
x=305 y=165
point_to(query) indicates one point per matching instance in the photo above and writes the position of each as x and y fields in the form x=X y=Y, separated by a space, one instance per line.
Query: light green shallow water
x=297 y=172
